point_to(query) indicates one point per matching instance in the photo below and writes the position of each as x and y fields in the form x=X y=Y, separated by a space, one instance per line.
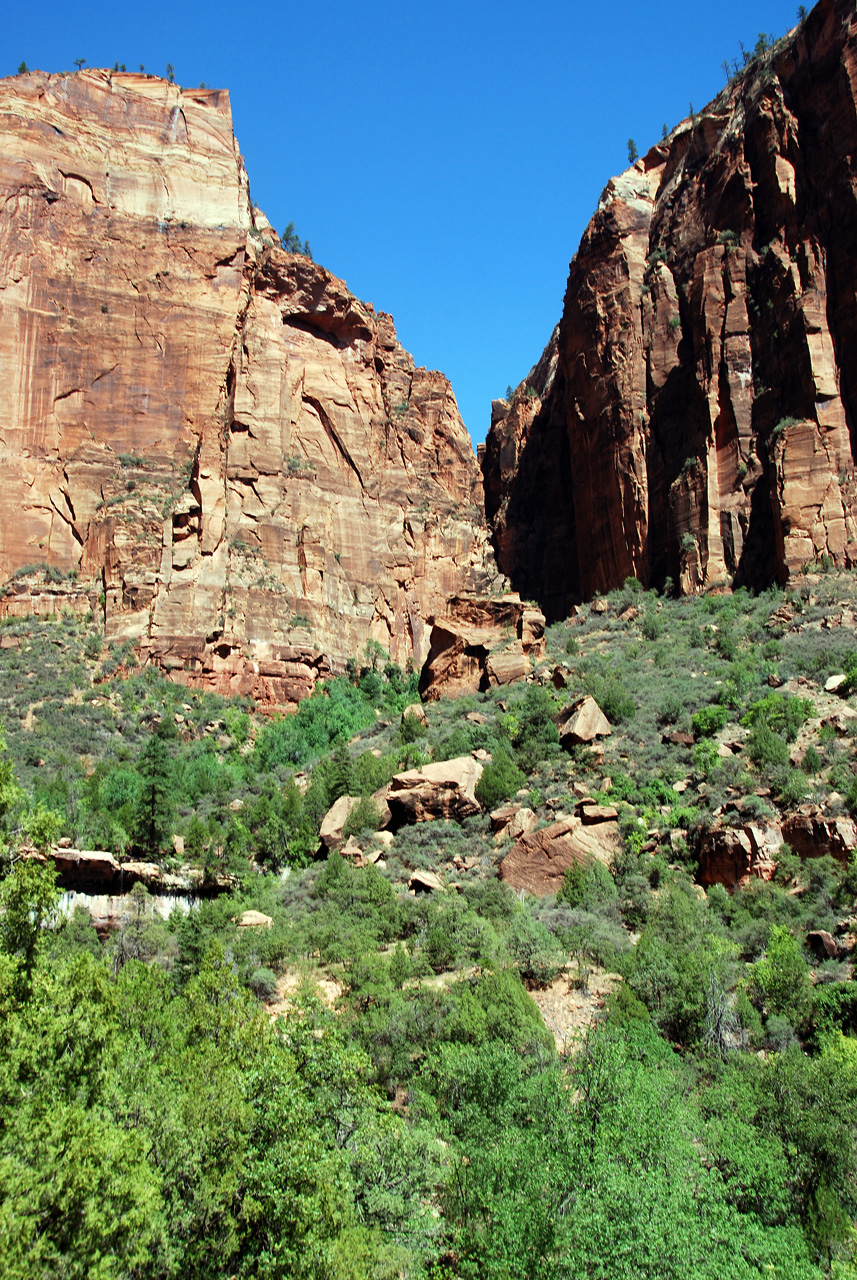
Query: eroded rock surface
x=234 y=455
x=733 y=856
x=477 y=644
x=690 y=417
x=540 y=859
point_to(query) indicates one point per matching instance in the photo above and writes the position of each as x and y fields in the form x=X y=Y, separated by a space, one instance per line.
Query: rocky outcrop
x=690 y=419
x=733 y=856
x=540 y=859
x=812 y=834
x=442 y=790
x=212 y=441
x=97 y=871
x=478 y=644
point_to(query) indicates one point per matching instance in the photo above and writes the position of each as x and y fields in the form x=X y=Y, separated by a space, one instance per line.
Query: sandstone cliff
x=692 y=417
x=232 y=455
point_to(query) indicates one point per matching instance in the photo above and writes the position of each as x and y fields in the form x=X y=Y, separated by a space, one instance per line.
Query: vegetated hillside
x=690 y=419
x=635 y=1076
x=208 y=439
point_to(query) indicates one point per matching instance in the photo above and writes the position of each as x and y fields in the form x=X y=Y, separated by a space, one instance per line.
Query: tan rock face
x=692 y=408
x=235 y=455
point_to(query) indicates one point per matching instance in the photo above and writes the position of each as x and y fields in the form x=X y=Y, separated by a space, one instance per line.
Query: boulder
x=540 y=859
x=822 y=945
x=520 y=821
x=425 y=882
x=416 y=711
x=254 y=920
x=582 y=722
x=330 y=832
x=834 y=683
x=442 y=790
x=500 y=818
x=591 y=813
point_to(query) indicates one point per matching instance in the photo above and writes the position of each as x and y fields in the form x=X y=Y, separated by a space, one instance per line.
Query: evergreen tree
x=154 y=810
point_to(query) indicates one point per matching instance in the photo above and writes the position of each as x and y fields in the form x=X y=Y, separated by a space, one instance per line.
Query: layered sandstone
x=233 y=454
x=691 y=416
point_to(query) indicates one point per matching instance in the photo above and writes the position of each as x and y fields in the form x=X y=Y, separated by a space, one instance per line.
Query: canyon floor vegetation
x=364 y=1084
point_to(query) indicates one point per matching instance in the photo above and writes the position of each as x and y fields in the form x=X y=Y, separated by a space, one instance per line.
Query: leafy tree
x=780 y=979
x=28 y=898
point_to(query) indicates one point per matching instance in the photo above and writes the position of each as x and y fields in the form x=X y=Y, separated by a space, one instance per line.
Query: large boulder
x=481 y=643
x=582 y=722
x=442 y=790
x=540 y=859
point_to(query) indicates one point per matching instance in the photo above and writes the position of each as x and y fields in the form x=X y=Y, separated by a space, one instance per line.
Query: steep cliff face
x=692 y=417
x=235 y=456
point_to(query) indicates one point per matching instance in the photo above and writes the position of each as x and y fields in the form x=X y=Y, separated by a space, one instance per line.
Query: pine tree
x=154 y=811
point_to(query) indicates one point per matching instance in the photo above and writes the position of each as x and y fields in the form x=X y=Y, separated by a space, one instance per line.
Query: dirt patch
x=327 y=989
x=569 y=1010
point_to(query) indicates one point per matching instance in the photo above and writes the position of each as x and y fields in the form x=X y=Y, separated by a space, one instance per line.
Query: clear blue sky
x=444 y=157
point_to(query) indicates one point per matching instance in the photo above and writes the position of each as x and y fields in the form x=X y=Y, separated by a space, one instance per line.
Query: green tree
x=154 y=810
x=292 y=243
x=28 y=899
x=633 y=153
x=780 y=980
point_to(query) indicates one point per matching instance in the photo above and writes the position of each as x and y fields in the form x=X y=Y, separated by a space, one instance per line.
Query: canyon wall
x=207 y=439
x=692 y=418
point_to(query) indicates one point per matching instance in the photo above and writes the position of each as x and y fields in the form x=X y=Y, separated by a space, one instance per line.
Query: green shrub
x=588 y=884
x=263 y=983
x=535 y=952
x=766 y=748
x=710 y=720
x=780 y=712
x=363 y=819
x=501 y=778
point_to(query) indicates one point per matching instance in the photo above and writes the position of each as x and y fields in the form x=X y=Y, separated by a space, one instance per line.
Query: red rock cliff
x=693 y=416
x=233 y=454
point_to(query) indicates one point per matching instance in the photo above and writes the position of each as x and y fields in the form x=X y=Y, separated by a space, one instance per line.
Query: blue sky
x=443 y=158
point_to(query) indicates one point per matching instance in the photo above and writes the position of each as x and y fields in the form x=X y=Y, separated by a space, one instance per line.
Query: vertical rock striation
x=233 y=454
x=692 y=417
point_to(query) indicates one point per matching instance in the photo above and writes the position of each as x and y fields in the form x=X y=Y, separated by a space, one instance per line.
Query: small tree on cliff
x=633 y=153
x=292 y=242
